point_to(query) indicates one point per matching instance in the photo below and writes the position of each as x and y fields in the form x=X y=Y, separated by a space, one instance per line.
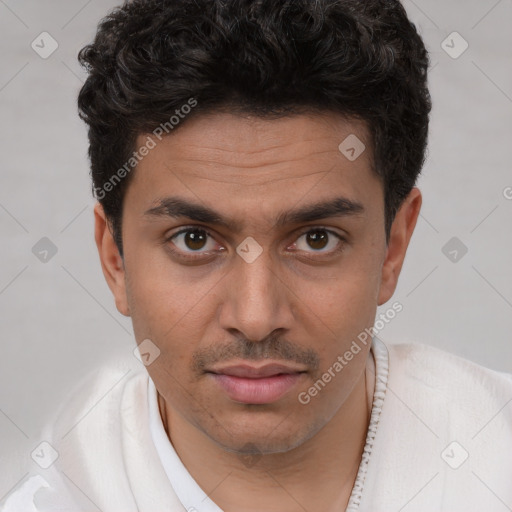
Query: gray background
x=58 y=319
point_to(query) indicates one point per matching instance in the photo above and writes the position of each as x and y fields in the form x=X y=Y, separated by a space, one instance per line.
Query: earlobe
x=400 y=235
x=111 y=262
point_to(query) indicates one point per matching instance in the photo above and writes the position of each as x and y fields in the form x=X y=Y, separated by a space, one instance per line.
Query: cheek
x=173 y=313
x=163 y=296
x=343 y=306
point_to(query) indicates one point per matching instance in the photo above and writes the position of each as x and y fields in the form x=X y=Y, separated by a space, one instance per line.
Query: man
x=254 y=164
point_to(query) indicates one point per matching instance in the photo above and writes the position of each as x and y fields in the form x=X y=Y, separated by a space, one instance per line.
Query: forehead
x=242 y=162
x=226 y=142
x=245 y=132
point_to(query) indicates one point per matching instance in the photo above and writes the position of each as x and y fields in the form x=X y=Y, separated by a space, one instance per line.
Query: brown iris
x=317 y=239
x=195 y=240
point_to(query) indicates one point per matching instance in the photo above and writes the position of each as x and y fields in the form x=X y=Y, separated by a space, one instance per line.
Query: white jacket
x=443 y=443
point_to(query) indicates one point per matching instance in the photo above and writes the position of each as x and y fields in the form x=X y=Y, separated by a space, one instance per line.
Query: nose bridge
x=257 y=298
x=255 y=279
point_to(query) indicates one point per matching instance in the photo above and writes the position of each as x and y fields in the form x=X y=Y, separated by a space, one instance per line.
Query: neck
x=318 y=475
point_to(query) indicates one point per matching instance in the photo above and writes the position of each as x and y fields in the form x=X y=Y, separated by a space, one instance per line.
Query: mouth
x=248 y=384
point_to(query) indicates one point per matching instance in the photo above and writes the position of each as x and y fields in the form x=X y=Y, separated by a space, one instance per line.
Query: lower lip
x=257 y=391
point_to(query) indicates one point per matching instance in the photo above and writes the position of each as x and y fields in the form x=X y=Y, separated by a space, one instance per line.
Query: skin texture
x=312 y=300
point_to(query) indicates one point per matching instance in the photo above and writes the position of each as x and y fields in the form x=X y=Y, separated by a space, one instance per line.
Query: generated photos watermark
x=343 y=360
x=159 y=132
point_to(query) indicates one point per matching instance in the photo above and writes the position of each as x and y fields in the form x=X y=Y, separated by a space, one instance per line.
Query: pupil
x=316 y=240
x=195 y=239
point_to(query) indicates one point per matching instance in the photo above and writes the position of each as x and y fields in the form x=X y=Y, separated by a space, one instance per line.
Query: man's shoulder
x=435 y=365
x=444 y=419
x=84 y=430
x=100 y=389
x=440 y=378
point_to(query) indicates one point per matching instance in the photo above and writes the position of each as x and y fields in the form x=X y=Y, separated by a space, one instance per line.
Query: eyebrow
x=176 y=207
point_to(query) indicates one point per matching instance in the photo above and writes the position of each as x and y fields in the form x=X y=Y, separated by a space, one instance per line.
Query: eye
x=192 y=240
x=320 y=240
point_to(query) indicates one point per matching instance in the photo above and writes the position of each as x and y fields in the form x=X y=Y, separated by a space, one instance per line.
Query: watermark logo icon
x=454 y=455
x=352 y=147
x=454 y=45
x=146 y=352
x=251 y=455
x=454 y=249
x=249 y=249
x=44 y=250
x=44 y=455
x=44 y=45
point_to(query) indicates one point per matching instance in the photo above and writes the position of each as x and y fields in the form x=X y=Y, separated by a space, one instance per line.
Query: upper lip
x=252 y=372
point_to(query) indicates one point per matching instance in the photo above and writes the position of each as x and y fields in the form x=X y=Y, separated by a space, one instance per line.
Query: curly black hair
x=271 y=58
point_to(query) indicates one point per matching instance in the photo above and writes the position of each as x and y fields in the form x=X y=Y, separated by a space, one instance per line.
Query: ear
x=111 y=262
x=401 y=232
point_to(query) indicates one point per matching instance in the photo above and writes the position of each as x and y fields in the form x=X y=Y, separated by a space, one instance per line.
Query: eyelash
x=200 y=255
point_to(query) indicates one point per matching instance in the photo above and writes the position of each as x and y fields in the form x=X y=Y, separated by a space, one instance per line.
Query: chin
x=264 y=439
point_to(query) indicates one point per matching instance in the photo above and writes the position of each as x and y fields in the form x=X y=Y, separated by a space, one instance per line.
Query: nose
x=258 y=299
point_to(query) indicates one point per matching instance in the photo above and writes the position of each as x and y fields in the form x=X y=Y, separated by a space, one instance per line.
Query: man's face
x=212 y=302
